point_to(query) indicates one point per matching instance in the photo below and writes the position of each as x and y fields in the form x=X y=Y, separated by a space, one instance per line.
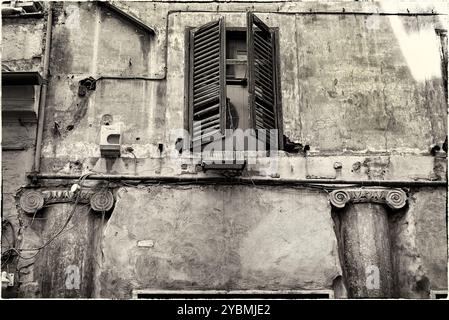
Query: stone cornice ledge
x=393 y=198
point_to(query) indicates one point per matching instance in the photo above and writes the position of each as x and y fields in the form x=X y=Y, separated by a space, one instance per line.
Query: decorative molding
x=394 y=198
x=102 y=201
x=32 y=201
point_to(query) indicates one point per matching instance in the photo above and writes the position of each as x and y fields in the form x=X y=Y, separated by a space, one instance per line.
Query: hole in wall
x=106 y=119
x=113 y=138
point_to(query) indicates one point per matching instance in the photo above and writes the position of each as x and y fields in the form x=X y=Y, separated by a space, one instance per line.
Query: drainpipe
x=43 y=95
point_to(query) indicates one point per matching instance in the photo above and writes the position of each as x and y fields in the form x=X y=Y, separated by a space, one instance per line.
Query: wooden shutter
x=262 y=75
x=207 y=80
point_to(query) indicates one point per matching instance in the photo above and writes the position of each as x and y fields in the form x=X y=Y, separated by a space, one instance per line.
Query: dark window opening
x=237 y=112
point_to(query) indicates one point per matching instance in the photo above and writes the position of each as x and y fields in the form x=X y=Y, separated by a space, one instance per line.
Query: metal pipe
x=239 y=180
x=43 y=95
x=127 y=78
x=24 y=15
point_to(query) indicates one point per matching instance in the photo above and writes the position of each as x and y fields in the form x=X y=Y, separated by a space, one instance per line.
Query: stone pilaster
x=364 y=237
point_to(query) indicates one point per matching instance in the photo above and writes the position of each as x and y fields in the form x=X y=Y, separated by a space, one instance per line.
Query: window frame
x=277 y=74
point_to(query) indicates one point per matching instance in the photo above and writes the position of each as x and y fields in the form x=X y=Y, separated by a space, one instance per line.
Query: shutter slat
x=263 y=119
x=262 y=42
x=207 y=123
x=264 y=109
x=207 y=40
x=205 y=80
x=206 y=48
x=208 y=60
x=263 y=94
x=207 y=87
x=267 y=104
x=207 y=26
x=206 y=120
x=206 y=66
x=205 y=95
x=201 y=33
x=206 y=135
x=199 y=104
x=264 y=87
x=205 y=75
x=268 y=119
x=259 y=55
x=262 y=71
x=261 y=50
x=202 y=135
x=204 y=29
x=267 y=122
x=267 y=85
x=264 y=100
x=211 y=124
x=262 y=47
x=201 y=85
x=263 y=125
x=207 y=56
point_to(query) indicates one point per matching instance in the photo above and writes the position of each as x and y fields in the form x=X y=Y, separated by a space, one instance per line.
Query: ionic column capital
x=31 y=201
x=393 y=198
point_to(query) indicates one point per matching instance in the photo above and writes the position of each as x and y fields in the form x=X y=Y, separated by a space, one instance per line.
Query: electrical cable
x=81 y=181
x=7 y=253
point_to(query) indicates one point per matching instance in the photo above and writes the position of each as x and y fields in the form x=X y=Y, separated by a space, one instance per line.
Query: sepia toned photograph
x=227 y=149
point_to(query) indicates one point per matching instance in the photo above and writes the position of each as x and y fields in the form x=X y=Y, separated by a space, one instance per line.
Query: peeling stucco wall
x=22 y=50
x=420 y=244
x=74 y=250
x=349 y=91
x=23 y=41
x=368 y=101
x=231 y=238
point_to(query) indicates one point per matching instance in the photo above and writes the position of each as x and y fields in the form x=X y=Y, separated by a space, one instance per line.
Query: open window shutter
x=208 y=80
x=262 y=74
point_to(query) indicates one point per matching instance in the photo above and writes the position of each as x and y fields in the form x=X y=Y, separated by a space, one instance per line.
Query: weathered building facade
x=102 y=196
